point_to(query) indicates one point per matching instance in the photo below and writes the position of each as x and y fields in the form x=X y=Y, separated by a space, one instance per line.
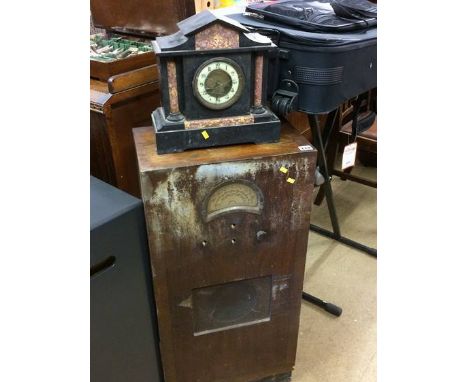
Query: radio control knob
x=261 y=235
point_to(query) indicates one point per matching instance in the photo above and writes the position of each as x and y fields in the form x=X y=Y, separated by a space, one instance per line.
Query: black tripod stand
x=321 y=144
x=321 y=141
x=315 y=129
x=284 y=100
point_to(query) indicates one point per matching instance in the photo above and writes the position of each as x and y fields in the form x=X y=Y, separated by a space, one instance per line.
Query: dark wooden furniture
x=117 y=106
x=367 y=151
x=125 y=92
x=227 y=230
x=139 y=17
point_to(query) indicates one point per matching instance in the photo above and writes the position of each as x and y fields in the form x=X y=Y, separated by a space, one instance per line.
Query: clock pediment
x=208 y=31
x=216 y=36
x=200 y=21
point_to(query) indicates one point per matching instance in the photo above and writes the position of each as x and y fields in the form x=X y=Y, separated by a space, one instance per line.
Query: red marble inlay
x=216 y=36
x=258 y=80
x=172 y=83
x=217 y=122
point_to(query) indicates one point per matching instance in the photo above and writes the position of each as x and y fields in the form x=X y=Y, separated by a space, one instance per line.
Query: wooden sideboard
x=117 y=106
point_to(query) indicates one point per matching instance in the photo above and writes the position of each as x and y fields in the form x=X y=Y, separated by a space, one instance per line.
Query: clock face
x=218 y=83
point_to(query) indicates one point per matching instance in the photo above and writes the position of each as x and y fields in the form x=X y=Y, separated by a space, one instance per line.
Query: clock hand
x=225 y=83
x=218 y=85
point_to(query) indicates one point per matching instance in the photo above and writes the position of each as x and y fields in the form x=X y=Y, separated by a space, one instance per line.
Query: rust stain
x=172 y=83
x=218 y=122
x=258 y=80
x=216 y=36
x=211 y=173
x=168 y=196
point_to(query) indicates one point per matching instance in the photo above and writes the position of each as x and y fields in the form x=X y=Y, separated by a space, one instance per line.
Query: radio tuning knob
x=261 y=235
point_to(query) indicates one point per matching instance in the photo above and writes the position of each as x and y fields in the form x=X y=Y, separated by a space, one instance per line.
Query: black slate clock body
x=213 y=76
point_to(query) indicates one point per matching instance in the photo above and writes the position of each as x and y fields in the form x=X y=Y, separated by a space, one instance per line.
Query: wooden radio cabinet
x=227 y=230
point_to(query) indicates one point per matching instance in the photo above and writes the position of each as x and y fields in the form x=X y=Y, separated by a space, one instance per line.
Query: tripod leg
x=320 y=195
x=327 y=306
x=322 y=160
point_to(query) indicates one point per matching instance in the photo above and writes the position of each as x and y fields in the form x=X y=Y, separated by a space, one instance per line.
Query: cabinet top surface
x=149 y=160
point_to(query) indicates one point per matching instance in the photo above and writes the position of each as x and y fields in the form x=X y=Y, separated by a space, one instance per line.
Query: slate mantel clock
x=213 y=74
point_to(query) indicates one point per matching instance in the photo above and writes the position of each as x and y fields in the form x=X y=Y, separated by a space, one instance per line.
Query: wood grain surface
x=112 y=118
x=188 y=252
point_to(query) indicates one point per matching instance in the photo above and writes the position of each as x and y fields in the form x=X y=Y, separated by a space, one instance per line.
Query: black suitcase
x=315 y=70
x=333 y=16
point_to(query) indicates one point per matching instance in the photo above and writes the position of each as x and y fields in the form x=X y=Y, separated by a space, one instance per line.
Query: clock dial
x=218 y=83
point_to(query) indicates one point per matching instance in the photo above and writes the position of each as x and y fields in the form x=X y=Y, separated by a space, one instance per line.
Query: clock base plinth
x=174 y=137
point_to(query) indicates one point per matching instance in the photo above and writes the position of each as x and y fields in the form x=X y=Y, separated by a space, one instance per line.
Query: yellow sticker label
x=283 y=169
x=205 y=134
x=290 y=180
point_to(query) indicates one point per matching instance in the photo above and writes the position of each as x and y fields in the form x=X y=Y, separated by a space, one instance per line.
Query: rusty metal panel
x=227 y=228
